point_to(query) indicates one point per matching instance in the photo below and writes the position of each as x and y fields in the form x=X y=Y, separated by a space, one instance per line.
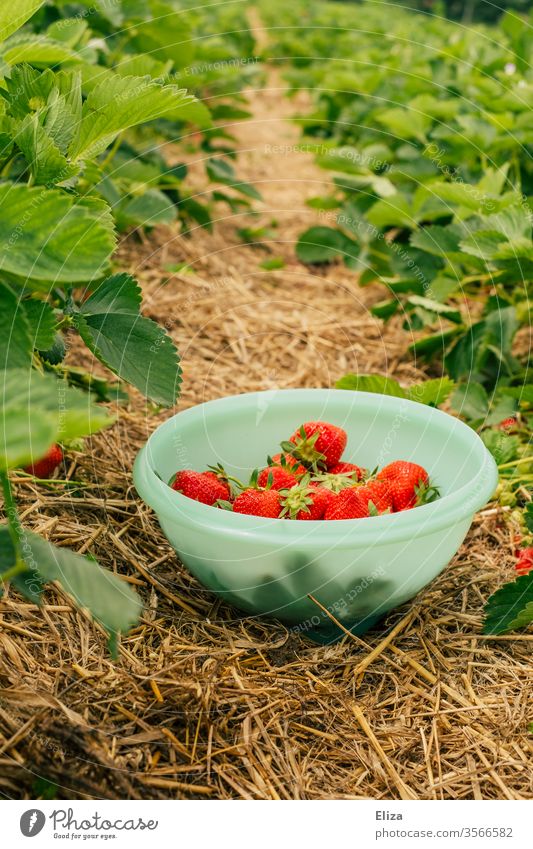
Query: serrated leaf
x=41 y=322
x=133 y=347
x=15 y=13
x=118 y=103
x=510 y=607
x=46 y=162
x=110 y=600
x=49 y=235
x=36 y=49
x=15 y=342
x=433 y=392
x=37 y=410
x=371 y=383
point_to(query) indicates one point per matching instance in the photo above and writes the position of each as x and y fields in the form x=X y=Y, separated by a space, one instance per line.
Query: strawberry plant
x=32 y=420
x=76 y=95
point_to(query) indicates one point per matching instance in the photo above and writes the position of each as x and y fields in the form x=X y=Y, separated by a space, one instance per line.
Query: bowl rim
x=446 y=511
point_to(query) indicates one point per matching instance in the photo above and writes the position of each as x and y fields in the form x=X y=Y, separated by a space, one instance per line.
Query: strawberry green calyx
x=224 y=505
x=426 y=493
x=304 y=450
x=336 y=482
x=223 y=476
x=306 y=500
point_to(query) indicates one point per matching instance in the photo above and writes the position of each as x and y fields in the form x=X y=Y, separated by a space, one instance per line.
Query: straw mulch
x=204 y=703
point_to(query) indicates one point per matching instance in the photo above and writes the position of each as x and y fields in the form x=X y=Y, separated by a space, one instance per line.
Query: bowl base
x=327 y=633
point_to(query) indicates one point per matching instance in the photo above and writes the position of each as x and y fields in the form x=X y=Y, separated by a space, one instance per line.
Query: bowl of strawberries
x=321 y=508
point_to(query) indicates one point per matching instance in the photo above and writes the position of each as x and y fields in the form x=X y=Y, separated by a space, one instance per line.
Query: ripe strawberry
x=409 y=484
x=524 y=561
x=205 y=487
x=347 y=504
x=287 y=461
x=508 y=424
x=356 y=472
x=317 y=444
x=44 y=467
x=377 y=493
x=306 y=501
x=258 y=502
x=276 y=477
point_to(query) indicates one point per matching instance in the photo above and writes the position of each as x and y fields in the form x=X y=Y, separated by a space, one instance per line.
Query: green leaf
x=221 y=171
x=15 y=13
x=395 y=211
x=41 y=322
x=510 y=607
x=272 y=264
x=28 y=583
x=322 y=244
x=37 y=410
x=444 y=310
x=433 y=392
x=434 y=344
x=503 y=448
x=15 y=342
x=371 y=383
x=117 y=103
x=471 y=401
x=133 y=347
x=147 y=210
x=49 y=235
x=46 y=162
x=37 y=50
x=437 y=240
x=110 y=600
x=385 y=309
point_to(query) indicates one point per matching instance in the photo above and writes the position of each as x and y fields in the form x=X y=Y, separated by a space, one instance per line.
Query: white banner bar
x=251 y=825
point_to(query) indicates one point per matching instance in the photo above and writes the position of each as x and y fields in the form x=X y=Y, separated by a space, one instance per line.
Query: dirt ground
x=204 y=702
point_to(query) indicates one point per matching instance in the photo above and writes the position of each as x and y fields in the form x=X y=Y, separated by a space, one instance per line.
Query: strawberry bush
x=88 y=93
x=425 y=128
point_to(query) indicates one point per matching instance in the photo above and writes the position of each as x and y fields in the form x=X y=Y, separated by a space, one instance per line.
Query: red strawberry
x=408 y=482
x=305 y=501
x=205 y=487
x=276 y=477
x=347 y=504
x=44 y=467
x=377 y=493
x=508 y=424
x=356 y=472
x=524 y=561
x=317 y=444
x=258 y=502
x=287 y=461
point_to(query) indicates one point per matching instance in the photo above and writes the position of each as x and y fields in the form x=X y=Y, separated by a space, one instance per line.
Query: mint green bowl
x=356 y=568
